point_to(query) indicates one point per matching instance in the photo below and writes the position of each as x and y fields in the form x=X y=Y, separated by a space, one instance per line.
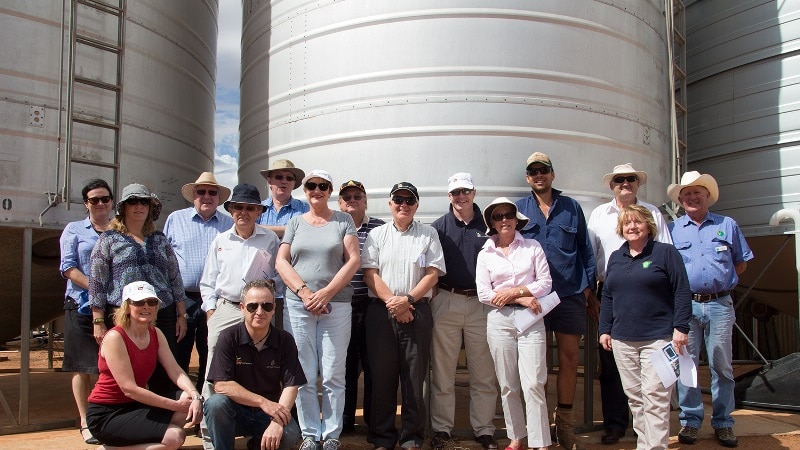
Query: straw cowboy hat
x=285 y=164
x=206 y=178
x=625 y=169
x=522 y=220
x=694 y=178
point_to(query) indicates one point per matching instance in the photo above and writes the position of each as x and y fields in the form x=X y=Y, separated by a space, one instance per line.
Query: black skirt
x=80 y=347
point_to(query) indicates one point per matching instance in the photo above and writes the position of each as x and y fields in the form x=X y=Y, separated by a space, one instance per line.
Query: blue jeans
x=322 y=349
x=227 y=419
x=712 y=325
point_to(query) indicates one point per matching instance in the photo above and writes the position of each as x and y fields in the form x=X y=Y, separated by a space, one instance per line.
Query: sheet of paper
x=665 y=361
x=260 y=267
x=524 y=318
x=688 y=375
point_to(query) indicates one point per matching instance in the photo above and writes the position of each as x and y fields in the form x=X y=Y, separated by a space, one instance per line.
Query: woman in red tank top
x=122 y=411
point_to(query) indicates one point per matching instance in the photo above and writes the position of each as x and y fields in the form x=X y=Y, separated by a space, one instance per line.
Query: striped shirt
x=360 y=289
x=191 y=236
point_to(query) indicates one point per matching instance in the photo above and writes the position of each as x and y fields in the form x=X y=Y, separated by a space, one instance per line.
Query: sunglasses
x=506 y=215
x=266 y=307
x=239 y=207
x=96 y=200
x=137 y=201
x=310 y=185
x=532 y=172
x=457 y=192
x=202 y=192
x=622 y=179
x=147 y=301
x=356 y=197
x=399 y=199
x=283 y=177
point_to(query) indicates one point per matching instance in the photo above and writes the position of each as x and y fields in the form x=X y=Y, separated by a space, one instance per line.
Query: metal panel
x=385 y=91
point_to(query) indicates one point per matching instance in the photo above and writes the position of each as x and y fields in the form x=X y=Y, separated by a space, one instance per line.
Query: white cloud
x=225 y=170
x=226 y=121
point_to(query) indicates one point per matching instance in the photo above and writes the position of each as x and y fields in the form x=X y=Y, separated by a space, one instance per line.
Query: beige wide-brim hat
x=625 y=169
x=206 y=178
x=285 y=164
x=694 y=178
x=522 y=220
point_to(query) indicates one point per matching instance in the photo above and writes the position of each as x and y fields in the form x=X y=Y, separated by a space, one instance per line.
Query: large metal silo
x=166 y=117
x=384 y=91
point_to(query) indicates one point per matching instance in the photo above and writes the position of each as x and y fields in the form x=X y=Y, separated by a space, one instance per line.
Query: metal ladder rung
x=102 y=6
x=96 y=123
x=98 y=84
x=96 y=43
x=90 y=162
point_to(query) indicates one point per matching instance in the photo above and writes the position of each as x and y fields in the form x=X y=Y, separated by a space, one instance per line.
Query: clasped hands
x=400 y=308
x=511 y=295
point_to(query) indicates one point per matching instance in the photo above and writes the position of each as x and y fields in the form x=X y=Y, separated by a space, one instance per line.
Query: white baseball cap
x=139 y=290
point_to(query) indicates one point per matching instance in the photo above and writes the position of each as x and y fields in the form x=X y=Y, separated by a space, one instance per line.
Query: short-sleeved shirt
x=565 y=240
x=461 y=243
x=317 y=252
x=710 y=251
x=401 y=257
x=281 y=217
x=602 y=228
x=265 y=372
x=191 y=236
x=360 y=289
x=77 y=241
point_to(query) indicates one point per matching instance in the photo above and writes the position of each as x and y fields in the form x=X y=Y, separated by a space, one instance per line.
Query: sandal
x=91 y=440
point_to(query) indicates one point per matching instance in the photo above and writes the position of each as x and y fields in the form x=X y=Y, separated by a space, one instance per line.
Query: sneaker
x=310 y=444
x=687 y=435
x=440 y=440
x=726 y=437
x=331 y=444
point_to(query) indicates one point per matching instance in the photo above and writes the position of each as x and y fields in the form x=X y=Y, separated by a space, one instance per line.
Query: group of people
x=394 y=300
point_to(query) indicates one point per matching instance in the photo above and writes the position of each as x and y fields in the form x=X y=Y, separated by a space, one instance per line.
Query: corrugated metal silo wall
x=384 y=91
x=167 y=123
x=743 y=71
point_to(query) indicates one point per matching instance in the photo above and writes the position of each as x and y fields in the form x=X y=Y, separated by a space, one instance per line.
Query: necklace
x=260 y=341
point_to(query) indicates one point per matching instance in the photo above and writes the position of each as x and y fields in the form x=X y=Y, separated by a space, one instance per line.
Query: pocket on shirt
x=681 y=246
x=567 y=239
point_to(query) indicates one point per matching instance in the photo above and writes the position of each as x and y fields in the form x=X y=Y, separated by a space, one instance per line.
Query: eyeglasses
x=239 y=207
x=621 y=179
x=96 y=200
x=137 y=201
x=202 y=192
x=147 y=301
x=310 y=185
x=533 y=171
x=356 y=197
x=457 y=192
x=283 y=177
x=506 y=215
x=266 y=306
x=399 y=199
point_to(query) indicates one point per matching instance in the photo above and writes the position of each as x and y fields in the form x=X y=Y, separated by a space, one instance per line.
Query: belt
x=705 y=298
x=420 y=301
x=465 y=292
x=225 y=300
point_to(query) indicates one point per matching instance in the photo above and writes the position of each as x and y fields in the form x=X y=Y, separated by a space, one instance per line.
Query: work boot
x=565 y=422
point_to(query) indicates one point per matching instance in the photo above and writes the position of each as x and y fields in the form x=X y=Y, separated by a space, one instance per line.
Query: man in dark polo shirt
x=255 y=373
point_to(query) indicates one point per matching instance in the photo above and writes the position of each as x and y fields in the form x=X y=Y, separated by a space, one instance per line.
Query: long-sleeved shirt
x=117 y=259
x=228 y=261
x=645 y=296
x=565 y=240
x=77 y=241
x=191 y=237
x=525 y=265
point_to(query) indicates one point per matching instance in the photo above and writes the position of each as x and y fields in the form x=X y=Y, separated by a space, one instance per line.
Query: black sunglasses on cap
x=399 y=199
x=622 y=178
x=147 y=301
x=137 y=201
x=324 y=186
x=266 y=306
x=96 y=200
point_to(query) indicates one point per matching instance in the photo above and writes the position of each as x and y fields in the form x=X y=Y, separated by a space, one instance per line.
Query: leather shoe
x=487 y=441
x=611 y=436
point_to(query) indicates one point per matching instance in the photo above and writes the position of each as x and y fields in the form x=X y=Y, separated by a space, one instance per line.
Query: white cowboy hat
x=205 y=178
x=522 y=220
x=694 y=178
x=625 y=169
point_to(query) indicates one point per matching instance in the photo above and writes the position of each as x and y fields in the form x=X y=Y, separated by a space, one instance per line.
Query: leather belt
x=705 y=298
x=464 y=292
x=225 y=300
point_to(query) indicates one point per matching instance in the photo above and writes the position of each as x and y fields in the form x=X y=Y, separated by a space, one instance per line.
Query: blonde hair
x=640 y=212
x=118 y=222
x=122 y=316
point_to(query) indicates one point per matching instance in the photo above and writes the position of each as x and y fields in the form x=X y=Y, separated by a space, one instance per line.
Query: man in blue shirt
x=715 y=253
x=558 y=223
x=282 y=178
x=190 y=232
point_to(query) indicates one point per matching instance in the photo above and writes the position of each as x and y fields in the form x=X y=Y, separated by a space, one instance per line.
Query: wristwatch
x=198 y=397
x=410 y=299
x=186 y=316
x=521 y=292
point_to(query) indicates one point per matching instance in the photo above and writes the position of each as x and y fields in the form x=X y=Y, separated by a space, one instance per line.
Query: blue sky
x=226 y=122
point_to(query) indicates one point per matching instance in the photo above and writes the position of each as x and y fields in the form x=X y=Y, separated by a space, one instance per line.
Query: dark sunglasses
x=283 y=177
x=532 y=172
x=356 y=197
x=266 y=306
x=147 y=301
x=137 y=201
x=506 y=215
x=239 y=207
x=202 y=192
x=310 y=185
x=96 y=200
x=399 y=199
x=621 y=179
x=457 y=192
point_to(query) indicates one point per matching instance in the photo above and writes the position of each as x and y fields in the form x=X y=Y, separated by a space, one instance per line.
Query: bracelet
x=300 y=289
x=97 y=320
